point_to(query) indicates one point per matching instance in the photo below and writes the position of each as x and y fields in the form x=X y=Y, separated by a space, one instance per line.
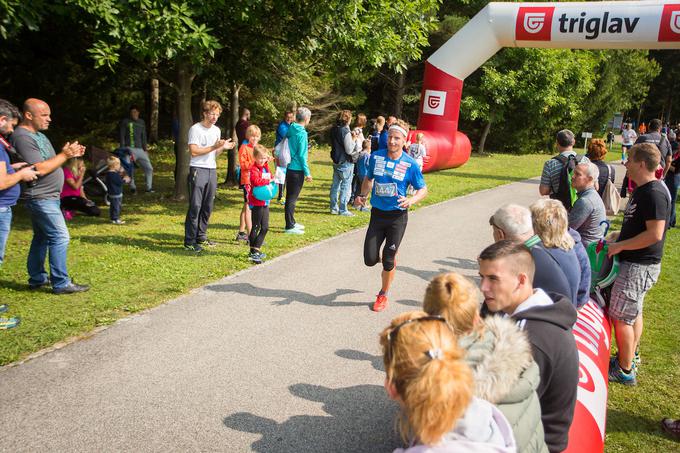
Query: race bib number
x=386 y=189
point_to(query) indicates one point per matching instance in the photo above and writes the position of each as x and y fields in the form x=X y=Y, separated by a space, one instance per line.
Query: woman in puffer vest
x=499 y=354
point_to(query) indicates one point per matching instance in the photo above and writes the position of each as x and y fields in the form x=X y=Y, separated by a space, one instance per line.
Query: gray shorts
x=630 y=288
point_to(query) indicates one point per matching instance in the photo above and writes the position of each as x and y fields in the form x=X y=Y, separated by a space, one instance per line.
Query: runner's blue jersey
x=391 y=179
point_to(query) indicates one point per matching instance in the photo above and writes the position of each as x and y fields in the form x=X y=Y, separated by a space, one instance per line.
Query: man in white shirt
x=205 y=145
x=628 y=137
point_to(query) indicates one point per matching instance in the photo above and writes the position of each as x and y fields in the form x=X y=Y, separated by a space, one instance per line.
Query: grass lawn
x=142 y=264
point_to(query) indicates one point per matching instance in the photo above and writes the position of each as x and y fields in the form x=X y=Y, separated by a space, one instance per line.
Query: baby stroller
x=94 y=183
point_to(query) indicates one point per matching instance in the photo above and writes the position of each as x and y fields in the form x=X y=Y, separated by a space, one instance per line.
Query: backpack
x=611 y=198
x=565 y=193
x=337 y=145
x=282 y=153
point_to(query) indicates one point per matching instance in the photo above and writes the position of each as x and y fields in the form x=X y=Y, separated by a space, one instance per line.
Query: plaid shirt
x=552 y=168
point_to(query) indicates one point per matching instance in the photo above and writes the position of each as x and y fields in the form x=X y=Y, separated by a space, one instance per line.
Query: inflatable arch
x=588 y=25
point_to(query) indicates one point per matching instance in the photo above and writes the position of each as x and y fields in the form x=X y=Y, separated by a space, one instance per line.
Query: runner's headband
x=400 y=129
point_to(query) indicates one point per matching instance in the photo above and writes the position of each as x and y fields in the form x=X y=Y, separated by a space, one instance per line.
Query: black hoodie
x=554 y=350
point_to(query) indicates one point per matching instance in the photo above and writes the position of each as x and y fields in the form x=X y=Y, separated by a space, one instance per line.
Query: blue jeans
x=672 y=181
x=49 y=234
x=5 y=224
x=342 y=179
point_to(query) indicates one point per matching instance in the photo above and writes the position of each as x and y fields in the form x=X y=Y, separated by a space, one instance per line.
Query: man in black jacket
x=507 y=269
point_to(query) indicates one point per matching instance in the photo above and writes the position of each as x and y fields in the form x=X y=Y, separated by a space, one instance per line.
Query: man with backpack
x=661 y=141
x=342 y=154
x=558 y=171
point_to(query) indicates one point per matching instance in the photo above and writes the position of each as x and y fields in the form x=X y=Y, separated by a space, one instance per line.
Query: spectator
x=417 y=150
x=50 y=234
x=596 y=153
x=376 y=131
x=281 y=131
x=655 y=137
x=513 y=222
x=672 y=178
x=362 y=169
x=132 y=132
x=640 y=249
x=551 y=224
x=434 y=387
x=73 y=196
x=588 y=211
x=10 y=174
x=259 y=176
x=342 y=150
x=382 y=129
x=242 y=126
x=245 y=160
x=298 y=170
x=628 y=137
x=506 y=269
x=499 y=354
x=114 y=186
x=552 y=169
x=390 y=171
x=204 y=145
x=358 y=134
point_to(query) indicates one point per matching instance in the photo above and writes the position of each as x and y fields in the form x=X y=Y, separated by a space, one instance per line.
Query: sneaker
x=207 y=243
x=364 y=209
x=33 y=287
x=193 y=248
x=616 y=374
x=637 y=361
x=9 y=323
x=242 y=237
x=335 y=212
x=299 y=226
x=380 y=302
x=255 y=257
x=671 y=427
x=118 y=222
x=3 y=308
x=294 y=231
x=346 y=214
x=70 y=289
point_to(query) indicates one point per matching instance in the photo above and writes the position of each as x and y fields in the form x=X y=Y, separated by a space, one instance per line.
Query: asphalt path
x=282 y=357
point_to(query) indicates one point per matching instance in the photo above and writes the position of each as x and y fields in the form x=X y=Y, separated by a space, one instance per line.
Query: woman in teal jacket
x=298 y=169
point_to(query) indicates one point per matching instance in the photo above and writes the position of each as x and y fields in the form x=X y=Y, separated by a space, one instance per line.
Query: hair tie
x=435 y=354
x=400 y=129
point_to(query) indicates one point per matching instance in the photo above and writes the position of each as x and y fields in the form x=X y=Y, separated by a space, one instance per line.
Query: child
x=362 y=169
x=114 y=184
x=417 y=150
x=259 y=175
x=245 y=160
x=497 y=351
x=426 y=375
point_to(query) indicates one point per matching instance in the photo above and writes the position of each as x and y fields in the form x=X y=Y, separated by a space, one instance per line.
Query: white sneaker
x=294 y=231
x=118 y=222
x=299 y=226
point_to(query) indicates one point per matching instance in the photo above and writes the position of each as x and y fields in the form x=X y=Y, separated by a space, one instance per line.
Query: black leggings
x=388 y=227
x=80 y=204
x=260 y=217
x=295 y=179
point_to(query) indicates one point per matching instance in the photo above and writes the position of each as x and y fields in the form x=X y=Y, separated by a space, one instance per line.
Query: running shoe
x=616 y=374
x=193 y=248
x=380 y=302
x=294 y=231
x=9 y=323
x=334 y=212
x=637 y=361
x=299 y=226
x=242 y=237
x=255 y=257
x=347 y=214
x=207 y=243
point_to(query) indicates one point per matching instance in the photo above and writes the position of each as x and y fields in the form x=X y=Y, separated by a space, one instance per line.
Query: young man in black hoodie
x=507 y=269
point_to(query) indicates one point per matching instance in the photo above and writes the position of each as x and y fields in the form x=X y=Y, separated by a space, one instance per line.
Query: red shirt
x=257 y=179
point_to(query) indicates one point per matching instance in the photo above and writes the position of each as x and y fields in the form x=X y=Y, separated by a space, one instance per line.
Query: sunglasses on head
x=392 y=334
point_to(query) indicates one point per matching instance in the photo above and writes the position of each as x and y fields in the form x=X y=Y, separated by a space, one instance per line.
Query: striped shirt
x=553 y=167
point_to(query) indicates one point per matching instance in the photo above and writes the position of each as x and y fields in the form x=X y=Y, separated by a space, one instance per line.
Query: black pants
x=202 y=188
x=260 y=217
x=295 y=179
x=116 y=202
x=80 y=204
x=387 y=227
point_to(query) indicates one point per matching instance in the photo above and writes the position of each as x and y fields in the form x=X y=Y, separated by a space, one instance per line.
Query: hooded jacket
x=506 y=375
x=482 y=429
x=549 y=328
x=297 y=142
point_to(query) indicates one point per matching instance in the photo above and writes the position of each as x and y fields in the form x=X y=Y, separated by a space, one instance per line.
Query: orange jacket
x=245 y=160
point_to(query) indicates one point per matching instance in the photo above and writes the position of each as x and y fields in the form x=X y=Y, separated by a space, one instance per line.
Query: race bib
x=385 y=189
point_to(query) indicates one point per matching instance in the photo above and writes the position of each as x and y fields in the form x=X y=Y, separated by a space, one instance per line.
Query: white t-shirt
x=628 y=136
x=204 y=137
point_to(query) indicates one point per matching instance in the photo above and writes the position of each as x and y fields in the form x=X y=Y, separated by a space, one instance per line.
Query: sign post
x=586 y=135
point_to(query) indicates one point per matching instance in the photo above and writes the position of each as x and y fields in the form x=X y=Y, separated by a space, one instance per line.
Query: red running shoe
x=380 y=303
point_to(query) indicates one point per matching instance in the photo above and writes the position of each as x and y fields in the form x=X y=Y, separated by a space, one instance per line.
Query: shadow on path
x=352 y=354
x=360 y=419
x=287 y=297
x=452 y=263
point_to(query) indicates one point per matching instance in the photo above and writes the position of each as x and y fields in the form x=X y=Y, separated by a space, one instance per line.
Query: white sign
x=434 y=102
x=587 y=135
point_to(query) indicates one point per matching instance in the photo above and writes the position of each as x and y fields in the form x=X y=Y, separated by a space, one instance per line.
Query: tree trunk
x=482 y=139
x=399 y=90
x=232 y=154
x=153 y=121
x=184 y=78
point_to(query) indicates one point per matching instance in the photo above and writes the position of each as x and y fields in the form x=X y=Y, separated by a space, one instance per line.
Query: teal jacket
x=297 y=142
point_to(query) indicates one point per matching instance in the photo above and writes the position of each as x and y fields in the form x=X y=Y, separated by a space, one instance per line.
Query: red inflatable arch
x=588 y=25
x=599 y=25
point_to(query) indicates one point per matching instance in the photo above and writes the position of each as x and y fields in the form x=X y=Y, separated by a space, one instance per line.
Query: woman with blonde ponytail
x=426 y=375
x=498 y=353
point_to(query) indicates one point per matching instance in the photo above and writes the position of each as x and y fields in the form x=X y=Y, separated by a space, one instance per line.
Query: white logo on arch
x=533 y=22
x=675 y=22
x=435 y=102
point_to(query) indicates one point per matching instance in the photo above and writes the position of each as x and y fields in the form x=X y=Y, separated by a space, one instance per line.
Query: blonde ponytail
x=457 y=299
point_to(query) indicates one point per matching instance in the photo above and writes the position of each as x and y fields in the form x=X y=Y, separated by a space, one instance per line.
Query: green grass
x=142 y=264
